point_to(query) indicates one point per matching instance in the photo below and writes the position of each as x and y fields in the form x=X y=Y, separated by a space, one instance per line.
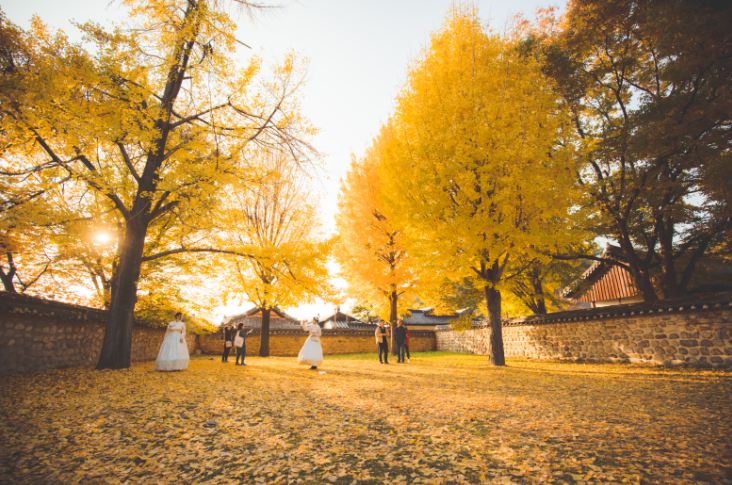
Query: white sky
x=358 y=50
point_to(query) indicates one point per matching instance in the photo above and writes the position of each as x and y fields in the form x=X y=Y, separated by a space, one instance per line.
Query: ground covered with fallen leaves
x=443 y=418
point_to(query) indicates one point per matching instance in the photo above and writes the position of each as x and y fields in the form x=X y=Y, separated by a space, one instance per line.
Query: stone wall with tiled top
x=287 y=343
x=691 y=331
x=38 y=334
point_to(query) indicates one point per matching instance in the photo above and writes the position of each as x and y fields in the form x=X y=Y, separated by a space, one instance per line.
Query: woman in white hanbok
x=173 y=353
x=311 y=353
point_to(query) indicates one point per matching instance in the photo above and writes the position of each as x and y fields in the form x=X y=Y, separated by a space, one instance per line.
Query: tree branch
x=196 y=250
x=197 y=116
x=128 y=162
x=588 y=257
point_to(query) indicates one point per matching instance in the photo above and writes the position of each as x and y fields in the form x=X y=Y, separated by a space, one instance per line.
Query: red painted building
x=604 y=283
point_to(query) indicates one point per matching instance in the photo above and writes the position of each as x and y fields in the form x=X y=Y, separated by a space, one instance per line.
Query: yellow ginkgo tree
x=370 y=250
x=26 y=264
x=477 y=167
x=278 y=220
x=154 y=116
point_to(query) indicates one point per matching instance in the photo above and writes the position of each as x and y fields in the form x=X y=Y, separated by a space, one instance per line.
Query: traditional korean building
x=342 y=320
x=253 y=319
x=604 y=283
x=425 y=318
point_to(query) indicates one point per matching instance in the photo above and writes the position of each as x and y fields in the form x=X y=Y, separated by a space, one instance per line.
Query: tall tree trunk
x=538 y=290
x=638 y=269
x=665 y=230
x=7 y=278
x=393 y=318
x=264 y=336
x=539 y=298
x=495 y=344
x=117 y=343
x=691 y=265
x=642 y=280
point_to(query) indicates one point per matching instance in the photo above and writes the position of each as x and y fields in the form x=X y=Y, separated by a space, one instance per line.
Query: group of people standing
x=402 y=335
x=311 y=353
x=173 y=354
x=235 y=338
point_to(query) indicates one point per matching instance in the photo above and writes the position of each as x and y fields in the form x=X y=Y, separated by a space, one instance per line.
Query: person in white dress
x=311 y=353
x=173 y=353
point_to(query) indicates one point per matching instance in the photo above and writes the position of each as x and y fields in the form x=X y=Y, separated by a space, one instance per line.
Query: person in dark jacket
x=400 y=338
x=228 y=342
x=242 y=351
x=409 y=337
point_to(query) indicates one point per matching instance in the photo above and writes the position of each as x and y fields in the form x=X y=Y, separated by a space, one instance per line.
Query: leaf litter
x=442 y=419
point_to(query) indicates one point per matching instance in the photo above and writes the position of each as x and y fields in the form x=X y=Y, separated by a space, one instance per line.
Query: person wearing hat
x=381 y=335
x=311 y=353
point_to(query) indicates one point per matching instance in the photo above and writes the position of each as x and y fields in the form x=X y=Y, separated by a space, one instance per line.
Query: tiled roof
x=425 y=317
x=336 y=324
x=251 y=319
x=611 y=253
x=693 y=303
x=19 y=303
x=580 y=305
x=340 y=320
x=256 y=322
x=362 y=325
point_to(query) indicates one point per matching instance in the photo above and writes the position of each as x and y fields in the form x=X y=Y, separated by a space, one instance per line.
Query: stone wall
x=37 y=334
x=287 y=343
x=690 y=331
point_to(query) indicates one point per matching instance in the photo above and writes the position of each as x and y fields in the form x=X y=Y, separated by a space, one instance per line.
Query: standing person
x=241 y=337
x=400 y=337
x=381 y=342
x=311 y=353
x=173 y=353
x=228 y=342
x=409 y=337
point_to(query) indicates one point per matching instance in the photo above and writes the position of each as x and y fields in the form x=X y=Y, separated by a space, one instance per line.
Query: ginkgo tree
x=370 y=250
x=154 y=117
x=25 y=260
x=63 y=244
x=473 y=169
x=279 y=219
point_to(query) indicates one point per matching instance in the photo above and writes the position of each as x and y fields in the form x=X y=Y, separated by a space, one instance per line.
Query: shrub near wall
x=287 y=343
x=691 y=331
x=38 y=334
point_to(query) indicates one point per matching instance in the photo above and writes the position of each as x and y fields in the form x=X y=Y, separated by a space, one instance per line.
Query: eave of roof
x=693 y=303
x=255 y=310
x=598 y=268
x=338 y=316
